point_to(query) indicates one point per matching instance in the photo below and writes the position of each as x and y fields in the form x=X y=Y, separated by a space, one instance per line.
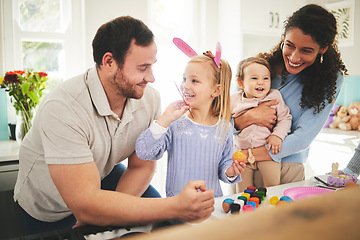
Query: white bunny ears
x=185 y=48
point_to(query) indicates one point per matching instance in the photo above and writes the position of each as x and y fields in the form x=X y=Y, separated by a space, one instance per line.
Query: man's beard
x=124 y=88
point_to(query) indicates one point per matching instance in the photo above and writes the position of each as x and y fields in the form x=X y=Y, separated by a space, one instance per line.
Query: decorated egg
x=239 y=156
x=226 y=204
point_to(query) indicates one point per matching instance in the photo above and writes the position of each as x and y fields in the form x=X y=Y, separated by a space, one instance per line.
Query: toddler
x=254 y=79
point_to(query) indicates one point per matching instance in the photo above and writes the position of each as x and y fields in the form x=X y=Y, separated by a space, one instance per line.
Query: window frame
x=12 y=36
x=72 y=38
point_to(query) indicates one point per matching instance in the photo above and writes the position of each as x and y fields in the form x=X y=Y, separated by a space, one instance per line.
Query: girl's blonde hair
x=246 y=62
x=220 y=106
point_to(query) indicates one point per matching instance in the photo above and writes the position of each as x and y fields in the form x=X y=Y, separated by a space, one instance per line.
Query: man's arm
x=263 y=115
x=137 y=177
x=79 y=186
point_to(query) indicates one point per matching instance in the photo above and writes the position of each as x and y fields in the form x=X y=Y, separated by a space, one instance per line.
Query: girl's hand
x=173 y=112
x=235 y=169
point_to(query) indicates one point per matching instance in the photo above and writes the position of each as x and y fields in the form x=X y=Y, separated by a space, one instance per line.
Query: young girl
x=200 y=143
x=254 y=80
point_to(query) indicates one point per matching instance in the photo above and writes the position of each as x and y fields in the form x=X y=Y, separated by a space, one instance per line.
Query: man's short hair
x=116 y=36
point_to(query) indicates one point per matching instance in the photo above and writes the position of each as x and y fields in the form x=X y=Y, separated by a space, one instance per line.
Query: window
x=43 y=35
x=42 y=15
x=171 y=19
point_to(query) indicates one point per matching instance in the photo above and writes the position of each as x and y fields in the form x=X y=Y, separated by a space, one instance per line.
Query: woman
x=308 y=71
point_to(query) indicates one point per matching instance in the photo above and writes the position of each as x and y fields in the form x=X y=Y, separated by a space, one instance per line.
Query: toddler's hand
x=235 y=169
x=274 y=144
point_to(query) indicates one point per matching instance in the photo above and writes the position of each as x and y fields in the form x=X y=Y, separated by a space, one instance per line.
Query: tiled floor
x=331 y=145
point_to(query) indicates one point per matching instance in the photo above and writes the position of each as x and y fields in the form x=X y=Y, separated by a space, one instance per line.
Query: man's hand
x=262 y=115
x=195 y=202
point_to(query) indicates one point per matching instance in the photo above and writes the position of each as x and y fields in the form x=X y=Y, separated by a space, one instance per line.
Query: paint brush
x=323 y=182
x=183 y=98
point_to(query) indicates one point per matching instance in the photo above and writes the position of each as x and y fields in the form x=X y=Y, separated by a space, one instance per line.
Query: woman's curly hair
x=319 y=79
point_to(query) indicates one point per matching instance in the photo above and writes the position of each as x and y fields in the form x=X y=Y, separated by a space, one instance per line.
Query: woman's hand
x=260 y=153
x=263 y=115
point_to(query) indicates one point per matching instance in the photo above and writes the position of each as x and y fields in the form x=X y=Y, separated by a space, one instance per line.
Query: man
x=87 y=126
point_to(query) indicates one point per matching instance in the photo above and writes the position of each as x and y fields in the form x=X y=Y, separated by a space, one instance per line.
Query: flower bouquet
x=25 y=90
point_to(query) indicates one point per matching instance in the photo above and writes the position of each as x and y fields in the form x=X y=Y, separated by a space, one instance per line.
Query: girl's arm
x=226 y=158
x=173 y=112
x=154 y=141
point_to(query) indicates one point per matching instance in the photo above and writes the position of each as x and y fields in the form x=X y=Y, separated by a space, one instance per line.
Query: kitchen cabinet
x=266 y=17
x=9 y=164
x=248 y=27
x=8 y=175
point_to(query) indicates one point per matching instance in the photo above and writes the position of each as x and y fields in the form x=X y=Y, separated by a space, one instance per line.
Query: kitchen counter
x=9 y=164
x=9 y=150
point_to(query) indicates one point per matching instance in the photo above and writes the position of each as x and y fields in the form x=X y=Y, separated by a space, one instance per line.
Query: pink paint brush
x=183 y=99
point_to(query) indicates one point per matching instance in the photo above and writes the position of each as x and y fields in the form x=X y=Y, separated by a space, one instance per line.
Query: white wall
x=350 y=54
x=99 y=12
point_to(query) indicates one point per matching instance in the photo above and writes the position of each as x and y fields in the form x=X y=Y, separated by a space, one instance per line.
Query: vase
x=23 y=124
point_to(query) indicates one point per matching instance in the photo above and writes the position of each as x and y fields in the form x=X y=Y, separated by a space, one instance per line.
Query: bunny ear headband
x=185 y=48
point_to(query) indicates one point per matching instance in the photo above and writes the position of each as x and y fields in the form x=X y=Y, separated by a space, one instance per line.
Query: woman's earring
x=282 y=45
x=321 y=58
